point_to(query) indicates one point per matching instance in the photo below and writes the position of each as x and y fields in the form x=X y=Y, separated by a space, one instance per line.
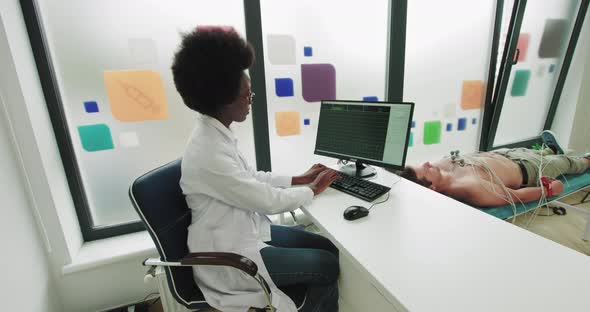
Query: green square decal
x=411 y=142
x=96 y=137
x=432 y=130
x=520 y=83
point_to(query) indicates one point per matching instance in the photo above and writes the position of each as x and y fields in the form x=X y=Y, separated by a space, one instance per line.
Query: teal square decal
x=96 y=137
x=520 y=83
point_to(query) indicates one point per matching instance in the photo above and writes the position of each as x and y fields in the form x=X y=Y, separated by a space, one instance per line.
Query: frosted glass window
x=546 y=30
x=448 y=46
x=329 y=49
x=112 y=62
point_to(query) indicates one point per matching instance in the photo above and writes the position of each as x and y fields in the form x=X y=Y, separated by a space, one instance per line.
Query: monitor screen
x=374 y=133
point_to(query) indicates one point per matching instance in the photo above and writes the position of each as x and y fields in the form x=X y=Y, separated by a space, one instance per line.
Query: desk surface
x=426 y=252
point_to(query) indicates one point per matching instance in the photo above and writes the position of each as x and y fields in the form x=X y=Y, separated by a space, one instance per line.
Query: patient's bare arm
x=529 y=194
x=493 y=195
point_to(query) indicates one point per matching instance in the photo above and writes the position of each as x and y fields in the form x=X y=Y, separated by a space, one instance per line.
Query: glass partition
x=316 y=50
x=111 y=60
x=448 y=49
x=544 y=35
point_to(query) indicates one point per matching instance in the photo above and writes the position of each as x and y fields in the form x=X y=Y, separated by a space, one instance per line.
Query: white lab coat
x=229 y=201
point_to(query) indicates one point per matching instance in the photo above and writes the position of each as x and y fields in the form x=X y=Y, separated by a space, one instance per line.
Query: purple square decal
x=307 y=51
x=318 y=82
x=306 y=121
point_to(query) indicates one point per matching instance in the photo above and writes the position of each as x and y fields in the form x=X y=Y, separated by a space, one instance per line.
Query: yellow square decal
x=287 y=123
x=136 y=95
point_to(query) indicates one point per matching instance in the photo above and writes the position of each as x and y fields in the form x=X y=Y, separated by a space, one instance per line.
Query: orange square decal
x=472 y=95
x=136 y=95
x=287 y=123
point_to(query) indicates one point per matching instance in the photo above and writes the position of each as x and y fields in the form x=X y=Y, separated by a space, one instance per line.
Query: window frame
x=495 y=104
x=394 y=92
x=59 y=123
x=253 y=20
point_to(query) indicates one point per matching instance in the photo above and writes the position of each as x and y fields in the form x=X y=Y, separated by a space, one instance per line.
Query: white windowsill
x=131 y=246
x=111 y=250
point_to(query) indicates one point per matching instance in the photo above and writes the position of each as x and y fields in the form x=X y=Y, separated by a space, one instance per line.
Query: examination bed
x=572 y=184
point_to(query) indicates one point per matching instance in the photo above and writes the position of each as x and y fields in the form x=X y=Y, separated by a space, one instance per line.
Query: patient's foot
x=549 y=139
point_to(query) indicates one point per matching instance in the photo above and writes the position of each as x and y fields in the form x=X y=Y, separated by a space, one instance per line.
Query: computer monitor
x=375 y=133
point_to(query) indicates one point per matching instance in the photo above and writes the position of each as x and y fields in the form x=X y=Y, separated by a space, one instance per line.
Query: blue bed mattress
x=574 y=183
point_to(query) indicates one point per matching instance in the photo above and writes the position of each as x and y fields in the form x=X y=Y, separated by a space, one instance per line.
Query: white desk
x=425 y=252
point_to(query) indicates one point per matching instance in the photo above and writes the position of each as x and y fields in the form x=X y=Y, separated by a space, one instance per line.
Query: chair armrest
x=221 y=258
x=210 y=258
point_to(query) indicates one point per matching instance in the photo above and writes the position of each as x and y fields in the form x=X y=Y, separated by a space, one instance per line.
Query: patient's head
x=426 y=175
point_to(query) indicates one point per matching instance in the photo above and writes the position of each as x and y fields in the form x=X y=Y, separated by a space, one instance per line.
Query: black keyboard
x=359 y=187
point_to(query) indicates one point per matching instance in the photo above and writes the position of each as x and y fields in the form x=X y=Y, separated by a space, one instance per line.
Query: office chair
x=160 y=203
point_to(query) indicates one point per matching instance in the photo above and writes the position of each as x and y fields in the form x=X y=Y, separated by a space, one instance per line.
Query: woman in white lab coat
x=230 y=200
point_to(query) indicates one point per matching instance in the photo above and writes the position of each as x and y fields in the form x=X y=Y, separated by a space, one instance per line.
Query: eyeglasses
x=251 y=96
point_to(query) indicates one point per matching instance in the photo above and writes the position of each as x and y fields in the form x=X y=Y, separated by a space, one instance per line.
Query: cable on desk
x=388 y=194
x=381 y=202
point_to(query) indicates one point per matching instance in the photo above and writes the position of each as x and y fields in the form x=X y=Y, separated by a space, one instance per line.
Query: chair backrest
x=161 y=205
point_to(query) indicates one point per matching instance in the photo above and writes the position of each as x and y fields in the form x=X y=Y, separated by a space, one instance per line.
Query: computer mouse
x=355 y=212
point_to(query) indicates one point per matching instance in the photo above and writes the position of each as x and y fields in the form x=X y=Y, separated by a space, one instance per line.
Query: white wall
x=27 y=283
x=570 y=105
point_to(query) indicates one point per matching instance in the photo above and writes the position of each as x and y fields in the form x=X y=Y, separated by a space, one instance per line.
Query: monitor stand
x=358 y=169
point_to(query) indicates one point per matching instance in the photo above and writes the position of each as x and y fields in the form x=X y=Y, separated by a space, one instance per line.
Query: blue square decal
x=307 y=51
x=473 y=121
x=306 y=121
x=462 y=124
x=91 y=107
x=413 y=124
x=551 y=68
x=284 y=86
x=449 y=127
x=370 y=99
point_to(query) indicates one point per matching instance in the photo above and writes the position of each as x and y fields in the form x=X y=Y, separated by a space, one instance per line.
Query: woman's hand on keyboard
x=309 y=175
x=323 y=180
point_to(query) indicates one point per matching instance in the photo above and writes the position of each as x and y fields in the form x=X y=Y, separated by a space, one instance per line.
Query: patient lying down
x=500 y=177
